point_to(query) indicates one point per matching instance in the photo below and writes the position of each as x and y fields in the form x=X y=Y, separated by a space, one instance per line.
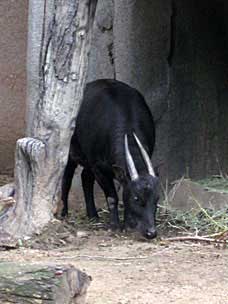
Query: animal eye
x=136 y=198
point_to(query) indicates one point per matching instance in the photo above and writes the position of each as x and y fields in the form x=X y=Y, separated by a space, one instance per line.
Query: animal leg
x=66 y=184
x=88 y=180
x=107 y=185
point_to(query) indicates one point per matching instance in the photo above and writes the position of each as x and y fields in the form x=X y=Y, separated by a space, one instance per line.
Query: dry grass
x=5 y=179
x=198 y=221
x=217 y=183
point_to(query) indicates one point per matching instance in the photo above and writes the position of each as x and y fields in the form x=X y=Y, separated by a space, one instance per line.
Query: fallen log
x=42 y=284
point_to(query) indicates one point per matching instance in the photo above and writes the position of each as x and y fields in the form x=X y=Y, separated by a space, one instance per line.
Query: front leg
x=106 y=183
x=112 y=203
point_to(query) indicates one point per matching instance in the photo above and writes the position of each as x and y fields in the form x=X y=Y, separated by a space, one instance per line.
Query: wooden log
x=30 y=284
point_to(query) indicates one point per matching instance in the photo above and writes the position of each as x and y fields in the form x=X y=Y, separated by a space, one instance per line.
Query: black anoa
x=114 y=139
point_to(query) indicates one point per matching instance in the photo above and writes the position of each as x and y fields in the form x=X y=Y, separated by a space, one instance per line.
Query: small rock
x=187 y=195
x=82 y=234
x=70 y=238
x=20 y=243
x=26 y=238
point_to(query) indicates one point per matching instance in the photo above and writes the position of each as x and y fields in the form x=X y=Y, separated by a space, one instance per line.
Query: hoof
x=115 y=227
x=64 y=213
x=94 y=219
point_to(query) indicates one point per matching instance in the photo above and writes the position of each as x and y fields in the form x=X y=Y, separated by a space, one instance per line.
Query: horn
x=130 y=163
x=145 y=157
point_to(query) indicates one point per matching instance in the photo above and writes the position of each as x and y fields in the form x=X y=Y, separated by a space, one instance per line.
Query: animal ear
x=157 y=168
x=119 y=173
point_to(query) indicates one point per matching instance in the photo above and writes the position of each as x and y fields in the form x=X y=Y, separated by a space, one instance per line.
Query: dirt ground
x=127 y=270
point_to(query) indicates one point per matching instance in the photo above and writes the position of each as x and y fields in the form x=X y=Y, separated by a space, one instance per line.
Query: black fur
x=111 y=109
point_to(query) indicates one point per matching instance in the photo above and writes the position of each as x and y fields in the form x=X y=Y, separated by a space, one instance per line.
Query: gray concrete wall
x=101 y=60
x=198 y=110
x=142 y=42
x=13 y=44
x=175 y=53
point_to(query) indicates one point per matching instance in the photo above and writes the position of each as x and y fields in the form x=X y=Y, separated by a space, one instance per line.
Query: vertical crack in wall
x=102 y=57
x=112 y=57
x=172 y=37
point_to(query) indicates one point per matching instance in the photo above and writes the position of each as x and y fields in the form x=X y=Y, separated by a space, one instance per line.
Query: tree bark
x=29 y=284
x=41 y=158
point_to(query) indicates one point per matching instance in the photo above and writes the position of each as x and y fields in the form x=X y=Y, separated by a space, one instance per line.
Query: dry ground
x=126 y=270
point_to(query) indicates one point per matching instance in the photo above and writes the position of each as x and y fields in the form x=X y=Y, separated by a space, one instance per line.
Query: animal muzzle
x=147 y=231
x=147 y=228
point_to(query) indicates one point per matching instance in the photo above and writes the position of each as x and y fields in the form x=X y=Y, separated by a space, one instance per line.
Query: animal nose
x=151 y=233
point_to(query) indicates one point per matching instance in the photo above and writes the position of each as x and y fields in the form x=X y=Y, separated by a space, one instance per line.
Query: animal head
x=140 y=193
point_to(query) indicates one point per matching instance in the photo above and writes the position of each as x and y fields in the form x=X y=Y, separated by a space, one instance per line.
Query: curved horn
x=145 y=157
x=130 y=163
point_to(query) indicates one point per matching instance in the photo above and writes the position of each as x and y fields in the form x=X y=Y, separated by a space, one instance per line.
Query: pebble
x=82 y=234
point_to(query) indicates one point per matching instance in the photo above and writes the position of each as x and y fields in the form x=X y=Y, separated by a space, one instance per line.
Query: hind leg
x=66 y=184
x=88 y=180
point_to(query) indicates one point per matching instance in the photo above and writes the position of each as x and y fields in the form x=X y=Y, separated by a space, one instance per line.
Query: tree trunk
x=41 y=158
x=29 y=284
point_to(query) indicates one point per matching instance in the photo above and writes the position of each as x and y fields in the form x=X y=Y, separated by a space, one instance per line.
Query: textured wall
x=198 y=107
x=174 y=52
x=101 y=61
x=142 y=43
x=13 y=43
